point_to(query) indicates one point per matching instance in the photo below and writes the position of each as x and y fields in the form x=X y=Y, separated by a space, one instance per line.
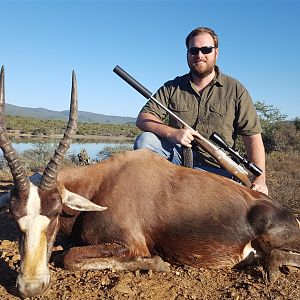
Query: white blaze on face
x=34 y=263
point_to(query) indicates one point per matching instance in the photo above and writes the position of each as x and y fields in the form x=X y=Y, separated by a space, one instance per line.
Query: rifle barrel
x=145 y=92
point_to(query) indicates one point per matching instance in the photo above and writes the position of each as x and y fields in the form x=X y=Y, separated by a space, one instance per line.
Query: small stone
x=5 y=243
x=3 y=254
x=15 y=257
x=105 y=281
x=124 y=289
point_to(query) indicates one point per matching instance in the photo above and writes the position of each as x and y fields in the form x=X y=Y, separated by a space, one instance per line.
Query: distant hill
x=83 y=116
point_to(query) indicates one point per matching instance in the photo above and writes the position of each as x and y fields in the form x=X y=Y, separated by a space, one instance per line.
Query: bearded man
x=208 y=101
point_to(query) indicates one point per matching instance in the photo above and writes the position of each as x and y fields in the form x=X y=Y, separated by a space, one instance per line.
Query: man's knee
x=146 y=140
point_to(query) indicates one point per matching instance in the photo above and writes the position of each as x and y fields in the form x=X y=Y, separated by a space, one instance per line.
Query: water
x=91 y=148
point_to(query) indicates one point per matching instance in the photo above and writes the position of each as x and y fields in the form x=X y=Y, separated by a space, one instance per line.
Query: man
x=208 y=101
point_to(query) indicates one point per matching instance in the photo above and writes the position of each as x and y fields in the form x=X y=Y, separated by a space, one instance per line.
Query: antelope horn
x=50 y=174
x=21 y=181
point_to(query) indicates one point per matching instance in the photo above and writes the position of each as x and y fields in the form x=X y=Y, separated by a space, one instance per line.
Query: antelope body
x=122 y=212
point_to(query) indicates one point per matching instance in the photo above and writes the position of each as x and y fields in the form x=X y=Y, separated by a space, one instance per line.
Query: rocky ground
x=181 y=283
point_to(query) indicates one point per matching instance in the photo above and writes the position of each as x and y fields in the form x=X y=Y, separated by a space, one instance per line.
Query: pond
x=92 y=148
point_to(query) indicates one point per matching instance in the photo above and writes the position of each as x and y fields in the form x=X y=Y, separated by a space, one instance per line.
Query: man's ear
x=78 y=202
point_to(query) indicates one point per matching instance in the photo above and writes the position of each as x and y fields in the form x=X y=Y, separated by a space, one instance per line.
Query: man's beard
x=201 y=71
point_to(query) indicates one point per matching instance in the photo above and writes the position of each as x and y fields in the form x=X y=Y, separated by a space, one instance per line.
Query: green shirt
x=224 y=106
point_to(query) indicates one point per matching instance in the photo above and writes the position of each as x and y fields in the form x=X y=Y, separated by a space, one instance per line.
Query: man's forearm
x=255 y=151
x=148 y=122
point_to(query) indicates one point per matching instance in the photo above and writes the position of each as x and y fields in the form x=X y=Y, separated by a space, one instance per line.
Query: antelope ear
x=78 y=202
x=4 y=202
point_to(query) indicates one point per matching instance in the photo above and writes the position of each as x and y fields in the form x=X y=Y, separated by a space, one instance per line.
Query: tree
x=297 y=124
x=269 y=115
x=278 y=133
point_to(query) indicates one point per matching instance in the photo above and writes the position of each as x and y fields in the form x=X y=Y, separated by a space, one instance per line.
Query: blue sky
x=41 y=42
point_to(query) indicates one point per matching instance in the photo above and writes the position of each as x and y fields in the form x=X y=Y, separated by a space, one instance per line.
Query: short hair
x=201 y=30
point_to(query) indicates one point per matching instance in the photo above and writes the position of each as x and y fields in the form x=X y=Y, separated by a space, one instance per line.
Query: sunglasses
x=203 y=50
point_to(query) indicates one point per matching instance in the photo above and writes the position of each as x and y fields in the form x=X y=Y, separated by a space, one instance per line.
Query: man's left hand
x=259 y=184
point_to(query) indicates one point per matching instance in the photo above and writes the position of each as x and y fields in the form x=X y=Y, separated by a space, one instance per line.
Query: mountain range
x=83 y=116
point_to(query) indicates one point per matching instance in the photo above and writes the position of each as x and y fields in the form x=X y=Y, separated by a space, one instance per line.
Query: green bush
x=278 y=133
x=108 y=151
x=40 y=155
x=297 y=124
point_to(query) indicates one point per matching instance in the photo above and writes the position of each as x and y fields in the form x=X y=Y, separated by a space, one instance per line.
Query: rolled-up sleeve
x=247 y=120
x=162 y=95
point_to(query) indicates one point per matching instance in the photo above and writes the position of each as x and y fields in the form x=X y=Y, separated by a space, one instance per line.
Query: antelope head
x=36 y=205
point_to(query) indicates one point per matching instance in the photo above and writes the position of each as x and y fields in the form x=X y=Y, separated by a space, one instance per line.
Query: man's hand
x=149 y=122
x=259 y=184
x=183 y=136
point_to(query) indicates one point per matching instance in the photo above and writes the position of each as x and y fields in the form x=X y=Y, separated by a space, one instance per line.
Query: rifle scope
x=217 y=139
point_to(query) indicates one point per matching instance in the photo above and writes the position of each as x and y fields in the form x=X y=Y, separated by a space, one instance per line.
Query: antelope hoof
x=273 y=275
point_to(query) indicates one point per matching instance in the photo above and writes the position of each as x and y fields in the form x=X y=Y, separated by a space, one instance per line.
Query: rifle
x=220 y=156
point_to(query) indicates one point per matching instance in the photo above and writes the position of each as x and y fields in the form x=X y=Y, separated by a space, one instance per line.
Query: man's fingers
x=259 y=188
x=196 y=133
x=186 y=144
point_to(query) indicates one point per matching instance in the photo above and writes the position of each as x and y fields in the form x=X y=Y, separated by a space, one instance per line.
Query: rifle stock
x=220 y=156
x=224 y=160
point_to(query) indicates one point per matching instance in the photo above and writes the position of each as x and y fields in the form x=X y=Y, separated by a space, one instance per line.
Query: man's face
x=201 y=64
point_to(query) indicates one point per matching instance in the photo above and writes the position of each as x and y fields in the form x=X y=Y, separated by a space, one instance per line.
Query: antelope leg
x=278 y=258
x=110 y=256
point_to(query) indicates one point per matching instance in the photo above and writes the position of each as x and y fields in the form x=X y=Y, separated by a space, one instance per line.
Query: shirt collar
x=218 y=79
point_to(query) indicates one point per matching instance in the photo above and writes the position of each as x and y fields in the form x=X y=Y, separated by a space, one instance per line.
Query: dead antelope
x=153 y=207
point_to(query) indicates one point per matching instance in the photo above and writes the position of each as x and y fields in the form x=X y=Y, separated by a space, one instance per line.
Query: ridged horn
x=48 y=180
x=21 y=180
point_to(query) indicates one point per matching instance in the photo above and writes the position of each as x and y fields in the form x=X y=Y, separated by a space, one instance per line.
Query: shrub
x=278 y=133
x=283 y=176
x=297 y=124
x=40 y=155
x=108 y=151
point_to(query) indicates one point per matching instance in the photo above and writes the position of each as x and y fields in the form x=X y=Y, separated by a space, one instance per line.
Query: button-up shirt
x=224 y=106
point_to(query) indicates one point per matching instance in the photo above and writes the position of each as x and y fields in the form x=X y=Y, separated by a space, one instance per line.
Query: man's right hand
x=149 y=122
x=181 y=136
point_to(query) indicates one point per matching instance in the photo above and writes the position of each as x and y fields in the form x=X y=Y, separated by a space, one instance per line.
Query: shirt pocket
x=218 y=109
x=179 y=106
x=217 y=116
x=185 y=110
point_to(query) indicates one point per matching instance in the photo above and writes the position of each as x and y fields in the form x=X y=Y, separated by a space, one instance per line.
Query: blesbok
x=183 y=215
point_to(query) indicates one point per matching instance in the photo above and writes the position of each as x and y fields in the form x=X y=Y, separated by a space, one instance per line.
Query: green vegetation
x=109 y=151
x=278 y=133
x=37 y=127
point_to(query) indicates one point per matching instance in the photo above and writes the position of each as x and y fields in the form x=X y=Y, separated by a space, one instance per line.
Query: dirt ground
x=181 y=283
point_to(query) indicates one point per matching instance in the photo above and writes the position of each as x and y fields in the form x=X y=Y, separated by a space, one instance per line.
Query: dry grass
x=283 y=178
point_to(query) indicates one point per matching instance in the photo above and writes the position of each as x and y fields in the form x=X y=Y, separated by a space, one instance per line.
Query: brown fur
x=187 y=216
